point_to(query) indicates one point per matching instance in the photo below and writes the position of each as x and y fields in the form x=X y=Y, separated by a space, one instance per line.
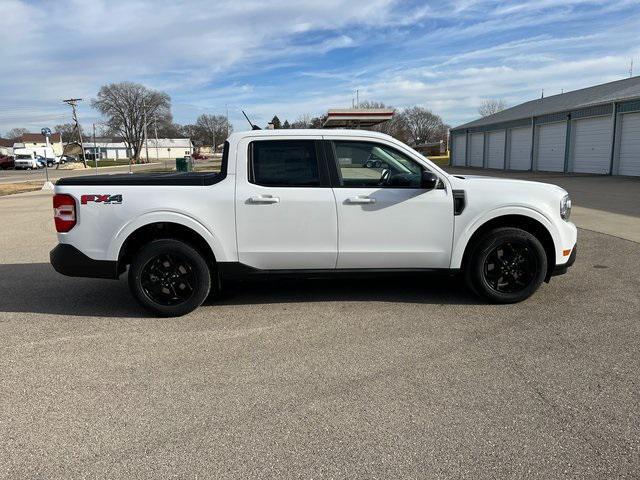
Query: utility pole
x=155 y=129
x=95 y=150
x=73 y=102
x=146 y=142
x=631 y=68
x=226 y=106
x=357 y=99
x=46 y=132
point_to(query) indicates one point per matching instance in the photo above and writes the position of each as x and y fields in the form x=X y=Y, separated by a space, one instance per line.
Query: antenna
x=253 y=127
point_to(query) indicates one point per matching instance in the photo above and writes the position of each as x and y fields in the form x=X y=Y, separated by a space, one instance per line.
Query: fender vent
x=459 y=201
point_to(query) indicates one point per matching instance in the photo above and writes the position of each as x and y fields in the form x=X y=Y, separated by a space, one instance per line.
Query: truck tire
x=507 y=265
x=169 y=277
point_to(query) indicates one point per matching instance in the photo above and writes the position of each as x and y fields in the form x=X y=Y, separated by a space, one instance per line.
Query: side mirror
x=429 y=180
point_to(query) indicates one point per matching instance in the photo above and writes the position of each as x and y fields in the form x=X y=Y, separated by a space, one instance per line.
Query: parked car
x=6 y=162
x=25 y=160
x=65 y=158
x=307 y=202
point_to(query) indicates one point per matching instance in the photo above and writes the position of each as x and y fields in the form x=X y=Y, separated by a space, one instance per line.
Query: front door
x=285 y=209
x=385 y=218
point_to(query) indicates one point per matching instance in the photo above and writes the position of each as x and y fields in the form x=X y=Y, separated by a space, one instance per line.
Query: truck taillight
x=64 y=212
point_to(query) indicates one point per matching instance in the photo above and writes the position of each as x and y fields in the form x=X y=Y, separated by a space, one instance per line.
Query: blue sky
x=289 y=57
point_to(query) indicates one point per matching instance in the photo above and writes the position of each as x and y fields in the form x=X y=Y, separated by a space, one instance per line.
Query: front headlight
x=565 y=207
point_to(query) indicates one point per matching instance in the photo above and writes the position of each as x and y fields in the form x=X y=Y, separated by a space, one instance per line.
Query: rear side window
x=284 y=163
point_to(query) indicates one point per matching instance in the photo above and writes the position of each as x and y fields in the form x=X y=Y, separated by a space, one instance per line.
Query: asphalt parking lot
x=404 y=377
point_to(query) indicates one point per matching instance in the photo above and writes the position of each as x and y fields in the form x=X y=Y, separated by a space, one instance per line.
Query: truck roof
x=291 y=132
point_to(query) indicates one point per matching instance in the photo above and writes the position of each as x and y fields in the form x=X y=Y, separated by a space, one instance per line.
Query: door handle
x=264 y=199
x=361 y=200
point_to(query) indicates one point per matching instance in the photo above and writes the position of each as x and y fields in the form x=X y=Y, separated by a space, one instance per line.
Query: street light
x=46 y=133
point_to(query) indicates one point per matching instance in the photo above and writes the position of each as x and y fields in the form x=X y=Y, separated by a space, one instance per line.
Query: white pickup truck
x=310 y=202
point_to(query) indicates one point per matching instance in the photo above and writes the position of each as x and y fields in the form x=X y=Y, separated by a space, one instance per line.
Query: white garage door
x=520 y=149
x=630 y=144
x=476 y=150
x=551 y=146
x=591 y=145
x=459 y=150
x=495 y=149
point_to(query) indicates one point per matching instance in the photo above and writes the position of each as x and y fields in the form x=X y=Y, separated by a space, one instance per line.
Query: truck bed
x=146 y=179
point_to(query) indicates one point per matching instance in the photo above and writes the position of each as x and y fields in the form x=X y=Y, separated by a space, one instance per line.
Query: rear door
x=285 y=209
x=385 y=218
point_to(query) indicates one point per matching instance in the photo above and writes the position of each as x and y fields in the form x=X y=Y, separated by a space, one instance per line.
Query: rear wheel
x=507 y=265
x=169 y=278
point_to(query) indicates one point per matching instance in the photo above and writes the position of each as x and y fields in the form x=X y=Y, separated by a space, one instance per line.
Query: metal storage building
x=592 y=130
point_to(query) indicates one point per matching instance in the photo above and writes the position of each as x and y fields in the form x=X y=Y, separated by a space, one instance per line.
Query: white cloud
x=285 y=56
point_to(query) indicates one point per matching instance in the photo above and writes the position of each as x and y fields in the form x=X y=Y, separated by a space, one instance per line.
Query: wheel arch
x=131 y=238
x=536 y=226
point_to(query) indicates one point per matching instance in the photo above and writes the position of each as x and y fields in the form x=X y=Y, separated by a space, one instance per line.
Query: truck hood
x=482 y=181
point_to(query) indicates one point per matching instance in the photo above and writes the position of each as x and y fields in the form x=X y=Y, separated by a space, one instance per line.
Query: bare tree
x=303 y=121
x=212 y=128
x=421 y=125
x=126 y=106
x=395 y=127
x=491 y=106
x=370 y=104
x=170 y=129
x=67 y=131
x=16 y=132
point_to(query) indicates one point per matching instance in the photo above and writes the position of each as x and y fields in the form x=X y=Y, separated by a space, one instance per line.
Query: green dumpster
x=183 y=164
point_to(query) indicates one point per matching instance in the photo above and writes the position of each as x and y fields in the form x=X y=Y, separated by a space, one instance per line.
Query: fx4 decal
x=108 y=199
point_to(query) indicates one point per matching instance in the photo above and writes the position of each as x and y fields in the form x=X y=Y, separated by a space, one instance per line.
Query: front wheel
x=169 y=278
x=507 y=265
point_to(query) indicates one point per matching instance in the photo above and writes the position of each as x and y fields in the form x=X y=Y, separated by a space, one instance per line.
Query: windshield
x=23 y=157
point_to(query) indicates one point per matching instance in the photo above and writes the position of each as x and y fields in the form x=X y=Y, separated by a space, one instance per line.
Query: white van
x=25 y=159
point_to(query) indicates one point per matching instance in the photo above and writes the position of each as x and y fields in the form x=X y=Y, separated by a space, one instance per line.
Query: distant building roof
x=170 y=143
x=89 y=139
x=357 y=117
x=37 y=137
x=626 y=89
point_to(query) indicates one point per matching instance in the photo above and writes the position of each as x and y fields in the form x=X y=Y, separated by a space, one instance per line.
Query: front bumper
x=68 y=260
x=562 y=269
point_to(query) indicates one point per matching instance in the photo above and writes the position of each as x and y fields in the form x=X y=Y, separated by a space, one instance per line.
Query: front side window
x=366 y=164
x=284 y=163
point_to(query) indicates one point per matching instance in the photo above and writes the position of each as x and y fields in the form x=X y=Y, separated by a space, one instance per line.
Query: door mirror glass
x=429 y=180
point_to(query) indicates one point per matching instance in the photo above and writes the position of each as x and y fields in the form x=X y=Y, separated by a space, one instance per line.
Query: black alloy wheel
x=510 y=267
x=169 y=277
x=506 y=265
